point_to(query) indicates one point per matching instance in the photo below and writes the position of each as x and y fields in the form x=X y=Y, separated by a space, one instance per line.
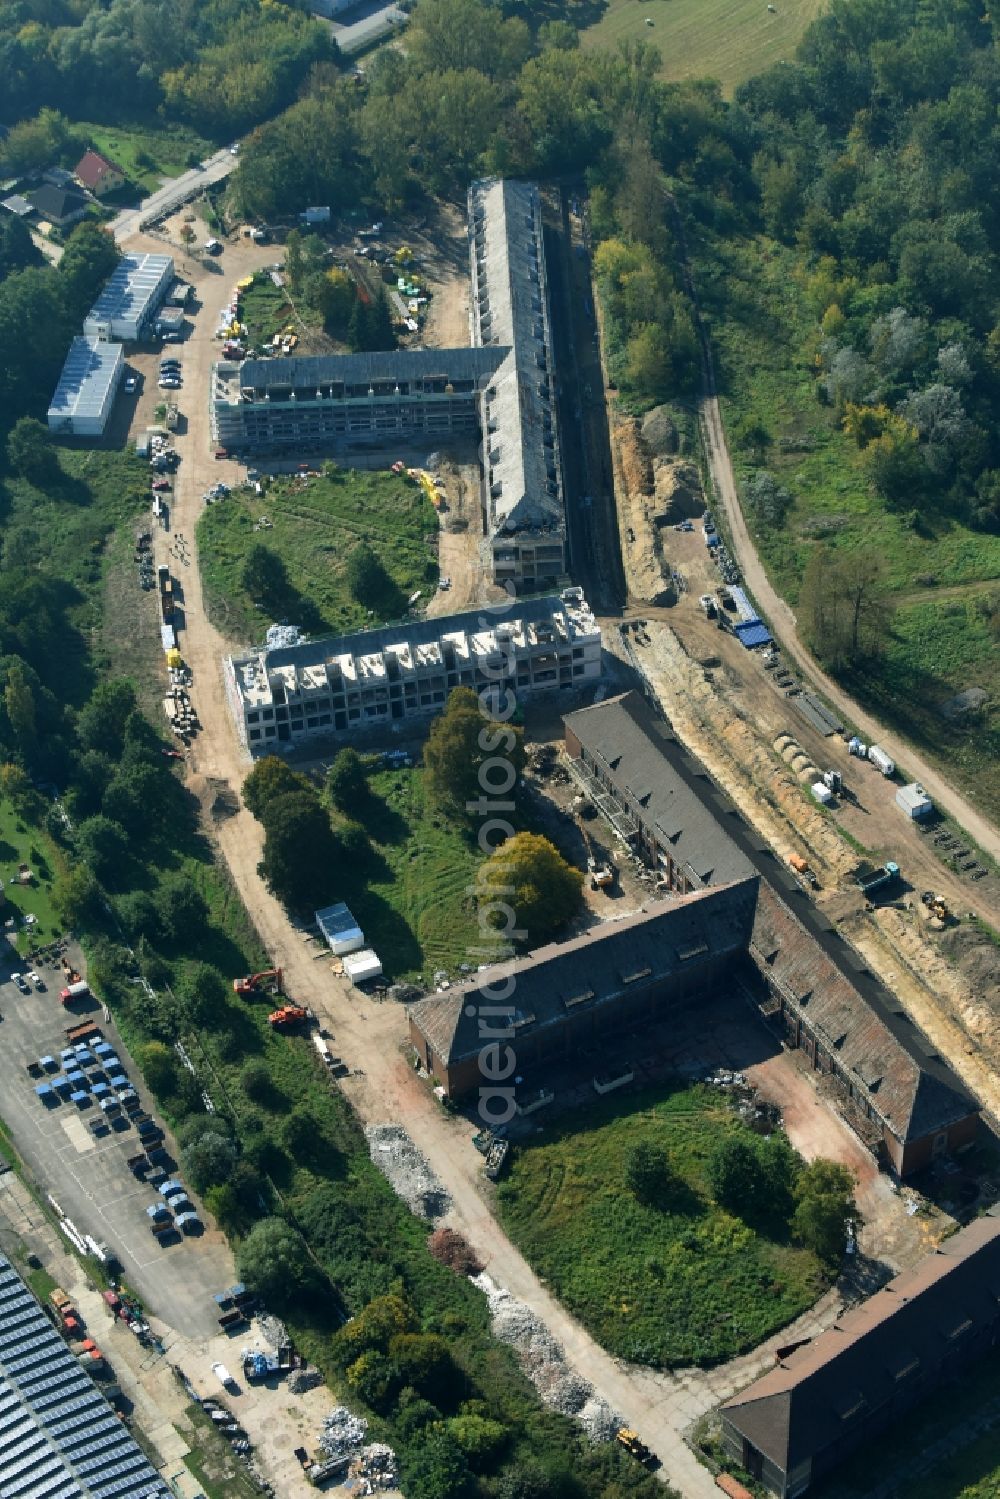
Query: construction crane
x=250 y=984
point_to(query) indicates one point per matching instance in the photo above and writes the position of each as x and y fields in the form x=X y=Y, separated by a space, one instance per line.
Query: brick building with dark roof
x=898 y=1094
x=565 y=996
x=831 y=1395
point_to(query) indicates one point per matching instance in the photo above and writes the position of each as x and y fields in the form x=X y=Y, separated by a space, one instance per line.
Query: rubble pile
x=409 y=1175
x=273 y=1330
x=343 y=1433
x=375 y=1469
x=301 y=1380
x=544 y=1362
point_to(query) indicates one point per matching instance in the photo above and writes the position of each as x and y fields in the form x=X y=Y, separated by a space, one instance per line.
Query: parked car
x=38 y=981
x=21 y=983
x=171 y=1188
x=169 y=382
x=161 y=484
x=131 y=383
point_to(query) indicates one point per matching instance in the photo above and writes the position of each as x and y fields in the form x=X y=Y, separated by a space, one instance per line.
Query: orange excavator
x=249 y=985
x=288 y=1017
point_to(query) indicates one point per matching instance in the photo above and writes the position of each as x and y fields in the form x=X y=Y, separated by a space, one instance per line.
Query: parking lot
x=86 y=1174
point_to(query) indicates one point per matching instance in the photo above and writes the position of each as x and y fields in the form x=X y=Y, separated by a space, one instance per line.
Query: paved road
x=171 y=195
x=781 y=619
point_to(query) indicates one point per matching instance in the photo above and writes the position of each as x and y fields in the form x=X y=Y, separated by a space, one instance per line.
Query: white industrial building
x=87 y=387
x=381 y=679
x=59 y=1437
x=509 y=309
x=341 y=930
x=914 y=801
x=131 y=296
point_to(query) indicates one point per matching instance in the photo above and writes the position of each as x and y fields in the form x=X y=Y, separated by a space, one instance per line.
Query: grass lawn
x=146 y=153
x=730 y=40
x=265 y=310
x=20 y=844
x=218 y=1470
x=315 y=525
x=413 y=907
x=685 y=1283
x=942 y=576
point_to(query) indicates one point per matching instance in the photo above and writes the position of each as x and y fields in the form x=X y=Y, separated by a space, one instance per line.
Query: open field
x=765 y=339
x=315 y=525
x=20 y=844
x=147 y=154
x=681 y=1282
x=708 y=38
x=413 y=907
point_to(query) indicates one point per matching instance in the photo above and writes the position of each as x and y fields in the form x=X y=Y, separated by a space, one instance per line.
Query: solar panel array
x=59 y=1438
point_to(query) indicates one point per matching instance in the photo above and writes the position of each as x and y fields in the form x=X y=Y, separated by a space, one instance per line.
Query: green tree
x=461 y=741
x=752 y=1177
x=347 y=780
x=139 y=915
x=436 y=1468
x=647 y=361
x=159 y=1066
x=19 y=702
x=824 y=1207
x=209 y=1160
x=100 y=724
x=270 y=778
x=87 y=261
x=427 y=1366
x=376 y=1379
x=274 y=1262
x=300 y=862
x=258 y=1084
x=103 y=845
x=77 y=899
x=203 y=995
x=480 y=1439
x=375 y=1326
x=30 y=452
x=844 y=606
x=183 y=908
x=528 y=876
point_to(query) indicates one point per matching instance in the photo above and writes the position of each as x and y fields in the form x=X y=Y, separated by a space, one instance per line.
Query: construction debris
x=301 y=1380
x=375 y=1469
x=274 y=1331
x=343 y=1433
x=544 y=1362
x=409 y=1175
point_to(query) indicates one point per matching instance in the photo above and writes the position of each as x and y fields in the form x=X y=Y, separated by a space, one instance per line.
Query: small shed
x=822 y=793
x=914 y=801
x=362 y=966
x=341 y=930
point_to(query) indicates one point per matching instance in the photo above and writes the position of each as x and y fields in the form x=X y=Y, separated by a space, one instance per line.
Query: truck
x=224 y=1377
x=86 y=1031
x=881 y=761
x=78 y=990
x=869 y=881
x=167 y=600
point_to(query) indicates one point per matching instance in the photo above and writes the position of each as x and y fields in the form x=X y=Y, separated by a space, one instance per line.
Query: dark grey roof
x=917 y=1093
x=818 y=1395
x=313 y=370
x=532 y=608
x=597 y=968
x=58 y=1435
x=57 y=202
x=631 y=743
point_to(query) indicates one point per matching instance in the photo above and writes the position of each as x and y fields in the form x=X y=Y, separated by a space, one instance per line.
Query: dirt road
x=782 y=622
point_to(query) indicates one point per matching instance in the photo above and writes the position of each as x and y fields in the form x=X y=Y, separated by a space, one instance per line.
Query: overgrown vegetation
x=682 y=1278
x=305 y=569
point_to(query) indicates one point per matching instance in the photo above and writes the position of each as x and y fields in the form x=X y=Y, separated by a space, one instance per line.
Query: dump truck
x=629 y=1439
x=78 y=990
x=224 y=1377
x=869 y=881
x=271 y=977
x=288 y=1017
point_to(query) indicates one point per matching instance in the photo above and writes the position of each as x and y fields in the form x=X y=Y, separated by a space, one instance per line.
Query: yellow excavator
x=629 y=1439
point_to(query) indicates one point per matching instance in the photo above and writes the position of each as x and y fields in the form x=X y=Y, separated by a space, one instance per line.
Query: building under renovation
x=381 y=679
x=886 y=1079
x=502 y=386
x=830 y=1395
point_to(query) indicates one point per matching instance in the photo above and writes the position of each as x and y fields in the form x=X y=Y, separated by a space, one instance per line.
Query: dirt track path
x=782 y=622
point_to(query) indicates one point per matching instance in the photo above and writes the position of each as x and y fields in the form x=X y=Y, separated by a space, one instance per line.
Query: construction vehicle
x=869 y=881
x=833 y=781
x=78 y=989
x=69 y=1318
x=271 y=977
x=629 y=1439
x=288 y=1017
x=937 y=908
x=601 y=876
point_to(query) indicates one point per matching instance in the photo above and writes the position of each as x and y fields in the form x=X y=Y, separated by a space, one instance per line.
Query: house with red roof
x=97 y=174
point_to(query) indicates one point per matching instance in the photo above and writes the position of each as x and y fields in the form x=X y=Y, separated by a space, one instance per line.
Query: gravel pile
x=375 y=1469
x=544 y=1362
x=301 y=1380
x=399 y=1160
x=343 y=1433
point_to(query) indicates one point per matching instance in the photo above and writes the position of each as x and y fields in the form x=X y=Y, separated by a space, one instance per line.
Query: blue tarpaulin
x=752 y=634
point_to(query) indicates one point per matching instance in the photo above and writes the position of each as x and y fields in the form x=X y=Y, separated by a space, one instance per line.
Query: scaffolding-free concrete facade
x=351 y=685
